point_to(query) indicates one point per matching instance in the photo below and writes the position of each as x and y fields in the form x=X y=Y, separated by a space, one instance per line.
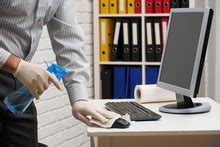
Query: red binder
x=164 y=24
x=166 y=6
x=137 y=5
x=158 y=6
x=149 y=7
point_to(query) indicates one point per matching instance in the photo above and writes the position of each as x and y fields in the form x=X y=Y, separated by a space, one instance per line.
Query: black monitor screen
x=181 y=47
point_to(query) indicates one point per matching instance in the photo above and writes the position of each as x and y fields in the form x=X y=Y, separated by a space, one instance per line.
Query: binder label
x=121 y=5
x=117 y=29
x=103 y=33
x=149 y=34
x=134 y=32
x=157 y=33
x=164 y=25
x=125 y=33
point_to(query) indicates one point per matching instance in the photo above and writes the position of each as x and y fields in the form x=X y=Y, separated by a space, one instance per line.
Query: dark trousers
x=16 y=131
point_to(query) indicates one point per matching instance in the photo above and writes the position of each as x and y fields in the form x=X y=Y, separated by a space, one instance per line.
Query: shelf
x=152 y=63
x=136 y=15
x=120 y=15
x=129 y=63
x=120 y=63
x=157 y=15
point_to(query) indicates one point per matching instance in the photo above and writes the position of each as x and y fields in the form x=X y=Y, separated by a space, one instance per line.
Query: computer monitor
x=183 y=58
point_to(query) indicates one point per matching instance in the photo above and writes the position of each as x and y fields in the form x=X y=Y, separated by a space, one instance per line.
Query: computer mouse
x=120 y=123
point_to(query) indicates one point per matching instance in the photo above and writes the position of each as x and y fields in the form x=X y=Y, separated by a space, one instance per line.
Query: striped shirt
x=21 y=24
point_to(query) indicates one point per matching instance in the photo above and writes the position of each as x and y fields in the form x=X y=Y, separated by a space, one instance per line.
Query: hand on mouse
x=83 y=111
x=116 y=122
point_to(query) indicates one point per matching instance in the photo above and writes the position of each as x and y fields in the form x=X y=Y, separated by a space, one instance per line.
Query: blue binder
x=127 y=84
x=152 y=74
x=119 y=82
x=135 y=79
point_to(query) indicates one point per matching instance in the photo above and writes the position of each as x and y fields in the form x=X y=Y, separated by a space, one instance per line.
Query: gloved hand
x=35 y=78
x=82 y=109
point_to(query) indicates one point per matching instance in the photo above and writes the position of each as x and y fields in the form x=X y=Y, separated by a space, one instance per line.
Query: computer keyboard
x=136 y=111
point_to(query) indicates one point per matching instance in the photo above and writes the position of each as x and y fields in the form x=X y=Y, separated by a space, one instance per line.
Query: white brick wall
x=56 y=125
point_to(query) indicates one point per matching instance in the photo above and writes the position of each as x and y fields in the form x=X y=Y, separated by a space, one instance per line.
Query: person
x=21 y=26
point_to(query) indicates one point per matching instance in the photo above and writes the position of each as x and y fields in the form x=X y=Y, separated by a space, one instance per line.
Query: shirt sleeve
x=4 y=55
x=67 y=39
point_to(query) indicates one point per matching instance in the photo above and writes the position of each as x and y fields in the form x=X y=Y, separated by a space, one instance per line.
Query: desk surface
x=169 y=124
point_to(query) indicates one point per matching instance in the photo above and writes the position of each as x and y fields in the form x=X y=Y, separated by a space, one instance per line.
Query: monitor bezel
x=191 y=92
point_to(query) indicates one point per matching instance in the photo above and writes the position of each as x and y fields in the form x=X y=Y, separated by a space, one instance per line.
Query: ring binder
x=117 y=41
x=149 y=39
x=185 y=4
x=138 y=6
x=126 y=40
x=136 y=39
x=130 y=6
x=107 y=84
x=175 y=3
x=104 y=6
x=158 y=47
x=113 y=7
x=166 y=6
x=106 y=36
x=158 y=6
x=149 y=6
x=164 y=23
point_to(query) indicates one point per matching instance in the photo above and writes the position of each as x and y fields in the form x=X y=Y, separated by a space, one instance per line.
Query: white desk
x=172 y=130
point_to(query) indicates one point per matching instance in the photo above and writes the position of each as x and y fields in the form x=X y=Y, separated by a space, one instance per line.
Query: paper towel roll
x=152 y=93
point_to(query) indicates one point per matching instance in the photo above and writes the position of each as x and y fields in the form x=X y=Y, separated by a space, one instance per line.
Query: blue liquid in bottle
x=18 y=101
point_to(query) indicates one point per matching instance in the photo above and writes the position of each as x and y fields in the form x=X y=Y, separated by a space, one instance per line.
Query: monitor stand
x=185 y=105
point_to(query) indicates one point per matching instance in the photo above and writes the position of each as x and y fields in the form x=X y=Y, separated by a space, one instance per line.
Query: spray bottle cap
x=57 y=70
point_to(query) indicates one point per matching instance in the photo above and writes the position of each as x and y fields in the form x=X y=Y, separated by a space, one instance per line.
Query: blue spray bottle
x=18 y=101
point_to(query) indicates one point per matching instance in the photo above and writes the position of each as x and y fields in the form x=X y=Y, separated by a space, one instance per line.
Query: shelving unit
x=98 y=65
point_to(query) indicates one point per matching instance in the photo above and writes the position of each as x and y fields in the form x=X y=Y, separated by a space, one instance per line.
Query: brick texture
x=56 y=125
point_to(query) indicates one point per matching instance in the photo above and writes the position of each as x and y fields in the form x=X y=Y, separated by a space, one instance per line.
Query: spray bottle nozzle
x=57 y=70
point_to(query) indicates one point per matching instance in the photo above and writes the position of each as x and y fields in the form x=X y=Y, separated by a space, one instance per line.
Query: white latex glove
x=83 y=111
x=35 y=78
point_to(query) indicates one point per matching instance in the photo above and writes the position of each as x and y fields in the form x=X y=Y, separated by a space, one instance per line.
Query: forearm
x=11 y=64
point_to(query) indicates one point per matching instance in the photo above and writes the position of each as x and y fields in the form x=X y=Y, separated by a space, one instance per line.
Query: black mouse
x=120 y=123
